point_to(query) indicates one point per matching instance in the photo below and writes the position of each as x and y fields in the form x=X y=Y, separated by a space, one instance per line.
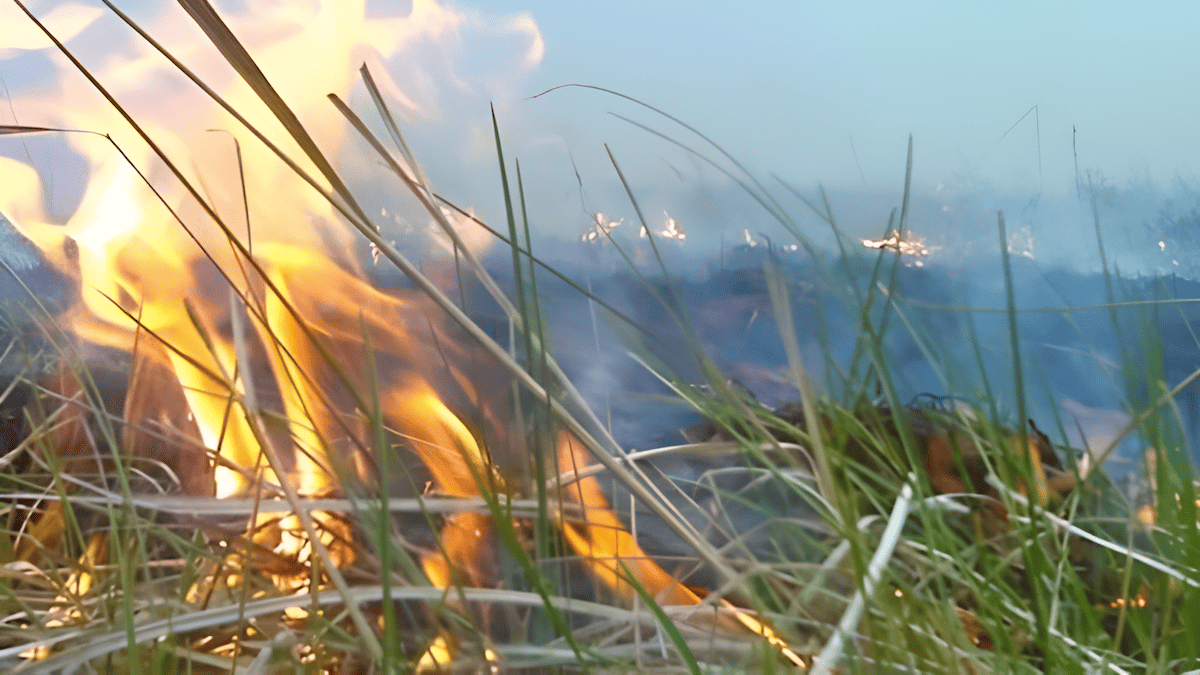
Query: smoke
x=444 y=67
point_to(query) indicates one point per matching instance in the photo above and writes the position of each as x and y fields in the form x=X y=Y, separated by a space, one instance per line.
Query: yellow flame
x=133 y=259
x=274 y=341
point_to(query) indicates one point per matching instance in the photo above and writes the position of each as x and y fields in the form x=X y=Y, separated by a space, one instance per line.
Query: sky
x=1008 y=104
x=800 y=88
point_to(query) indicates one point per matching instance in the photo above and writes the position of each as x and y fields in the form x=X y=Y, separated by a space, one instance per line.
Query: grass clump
x=423 y=497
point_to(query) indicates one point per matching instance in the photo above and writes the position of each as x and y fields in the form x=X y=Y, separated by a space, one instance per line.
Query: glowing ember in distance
x=905 y=243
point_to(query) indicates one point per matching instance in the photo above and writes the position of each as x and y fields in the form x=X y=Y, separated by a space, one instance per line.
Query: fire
x=284 y=355
x=134 y=264
x=611 y=551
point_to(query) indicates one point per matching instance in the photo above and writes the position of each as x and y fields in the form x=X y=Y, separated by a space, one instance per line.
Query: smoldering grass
x=939 y=575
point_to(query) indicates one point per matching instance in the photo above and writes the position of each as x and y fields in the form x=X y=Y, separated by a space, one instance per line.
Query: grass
x=883 y=535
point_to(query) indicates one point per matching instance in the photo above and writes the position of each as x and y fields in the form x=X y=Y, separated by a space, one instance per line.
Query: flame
x=905 y=243
x=265 y=331
x=260 y=334
x=610 y=551
x=613 y=555
x=135 y=265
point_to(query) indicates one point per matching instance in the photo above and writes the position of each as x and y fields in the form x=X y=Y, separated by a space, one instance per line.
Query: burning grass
x=245 y=457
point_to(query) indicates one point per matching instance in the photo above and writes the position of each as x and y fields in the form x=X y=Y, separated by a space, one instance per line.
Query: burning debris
x=905 y=243
x=671 y=230
x=602 y=228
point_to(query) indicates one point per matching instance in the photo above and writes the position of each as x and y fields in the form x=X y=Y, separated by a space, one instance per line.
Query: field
x=231 y=446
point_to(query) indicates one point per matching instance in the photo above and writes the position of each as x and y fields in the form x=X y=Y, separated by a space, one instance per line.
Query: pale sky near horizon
x=830 y=91
x=787 y=85
x=814 y=93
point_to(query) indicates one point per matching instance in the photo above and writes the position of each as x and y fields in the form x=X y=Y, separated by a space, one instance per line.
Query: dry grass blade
x=832 y=651
x=235 y=54
x=249 y=405
x=782 y=304
x=102 y=644
x=17 y=130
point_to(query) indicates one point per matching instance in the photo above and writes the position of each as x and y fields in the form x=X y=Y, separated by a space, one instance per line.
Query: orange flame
x=273 y=341
x=609 y=549
x=121 y=241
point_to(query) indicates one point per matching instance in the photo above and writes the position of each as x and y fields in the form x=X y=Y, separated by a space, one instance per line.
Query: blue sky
x=809 y=92
x=786 y=85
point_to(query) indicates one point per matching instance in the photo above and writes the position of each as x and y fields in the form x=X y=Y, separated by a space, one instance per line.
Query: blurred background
x=1072 y=118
